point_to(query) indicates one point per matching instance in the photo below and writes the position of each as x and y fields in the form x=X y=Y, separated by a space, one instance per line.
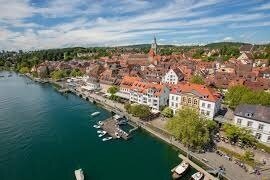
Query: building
x=256 y=118
x=91 y=84
x=125 y=86
x=173 y=76
x=150 y=94
x=200 y=97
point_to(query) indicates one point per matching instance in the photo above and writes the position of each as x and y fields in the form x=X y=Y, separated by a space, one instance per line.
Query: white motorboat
x=107 y=138
x=96 y=126
x=102 y=134
x=197 y=176
x=179 y=170
x=79 y=174
x=100 y=123
x=101 y=131
x=95 y=113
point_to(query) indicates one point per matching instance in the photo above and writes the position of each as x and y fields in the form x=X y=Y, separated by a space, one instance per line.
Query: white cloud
x=228 y=38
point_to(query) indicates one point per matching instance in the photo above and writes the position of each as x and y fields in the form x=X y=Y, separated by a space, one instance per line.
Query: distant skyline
x=43 y=24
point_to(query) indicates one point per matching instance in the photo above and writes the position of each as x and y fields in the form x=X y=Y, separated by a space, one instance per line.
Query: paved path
x=233 y=171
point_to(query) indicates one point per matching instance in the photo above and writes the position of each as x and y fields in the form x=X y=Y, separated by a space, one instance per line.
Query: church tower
x=154 y=45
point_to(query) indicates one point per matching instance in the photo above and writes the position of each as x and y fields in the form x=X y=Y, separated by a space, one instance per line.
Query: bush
x=24 y=70
x=138 y=110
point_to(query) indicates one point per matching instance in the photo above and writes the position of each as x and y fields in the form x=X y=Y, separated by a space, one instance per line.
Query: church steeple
x=154 y=45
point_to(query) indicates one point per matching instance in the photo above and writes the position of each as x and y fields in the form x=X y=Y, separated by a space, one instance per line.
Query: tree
x=243 y=95
x=235 y=133
x=58 y=74
x=76 y=72
x=138 y=110
x=167 y=112
x=197 y=79
x=188 y=126
x=248 y=156
x=24 y=70
x=113 y=89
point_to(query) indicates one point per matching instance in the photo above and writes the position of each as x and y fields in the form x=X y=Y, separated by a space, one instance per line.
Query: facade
x=150 y=94
x=256 y=118
x=196 y=96
x=91 y=84
x=173 y=76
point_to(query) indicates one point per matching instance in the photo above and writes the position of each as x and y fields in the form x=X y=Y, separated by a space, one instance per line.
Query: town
x=159 y=89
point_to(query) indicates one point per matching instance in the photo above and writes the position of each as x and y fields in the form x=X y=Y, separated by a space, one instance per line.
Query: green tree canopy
x=113 y=89
x=188 y=126
x=235 y=133
x=24 y=70
x=167 y=112
x=242 y=95
x=58 y=74
x=138 y=110
x=76 y=72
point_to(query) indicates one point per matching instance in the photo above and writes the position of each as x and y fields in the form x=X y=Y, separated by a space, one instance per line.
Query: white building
x=173 y=76
x=205 y=100
x=256 y=118
x=91 y=84
x=150 y=94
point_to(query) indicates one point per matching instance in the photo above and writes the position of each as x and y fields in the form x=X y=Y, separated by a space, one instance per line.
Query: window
x=184 y=99
x=203 y=104
x=176 y=98
x=249 y=123
x=172 y=97
x=268 y=139
x=208 y=106
x=202 y=112
x=260 y=127
x=189 y=100
x=176 y=105
x=258 y=136
x=195 y=102
x=172 y=104
x=208 y=113
x=239 y=121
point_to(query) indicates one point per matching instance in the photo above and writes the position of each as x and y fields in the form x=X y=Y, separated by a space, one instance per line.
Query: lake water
x=45 y=135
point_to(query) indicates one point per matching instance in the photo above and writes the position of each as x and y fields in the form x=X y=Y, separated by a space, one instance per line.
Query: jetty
x=207 y=176
x=112 y=128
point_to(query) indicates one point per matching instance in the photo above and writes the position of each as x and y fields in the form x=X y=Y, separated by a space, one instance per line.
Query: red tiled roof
x=200 y=90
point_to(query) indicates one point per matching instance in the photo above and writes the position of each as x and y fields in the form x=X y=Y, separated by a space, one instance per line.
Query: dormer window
x=249 y=114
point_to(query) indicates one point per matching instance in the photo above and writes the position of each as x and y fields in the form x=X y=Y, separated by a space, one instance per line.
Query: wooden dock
x=207 y=176
x=111 y=127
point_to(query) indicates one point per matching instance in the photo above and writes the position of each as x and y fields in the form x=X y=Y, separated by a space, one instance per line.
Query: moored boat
x=102 y=134
x=107 y=138
x=96 y=126
x=117 y=135
x=179 y=170
x=197 y=176
x=95 y=113
x=100 y=123
x=79 y=174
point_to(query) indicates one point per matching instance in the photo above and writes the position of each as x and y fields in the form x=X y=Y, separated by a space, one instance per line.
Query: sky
x=44 y=24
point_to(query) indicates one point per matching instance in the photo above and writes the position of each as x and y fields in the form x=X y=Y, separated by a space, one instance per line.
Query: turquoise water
x=45 y=135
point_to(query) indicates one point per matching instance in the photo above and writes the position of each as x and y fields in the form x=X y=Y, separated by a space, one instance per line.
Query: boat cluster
x=101 y=133
x=182 y=168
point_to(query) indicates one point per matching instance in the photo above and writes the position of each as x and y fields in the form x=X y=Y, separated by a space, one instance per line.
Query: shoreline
x=145 y=126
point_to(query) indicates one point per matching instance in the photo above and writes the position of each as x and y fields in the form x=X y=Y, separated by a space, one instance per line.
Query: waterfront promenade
x=233 y=171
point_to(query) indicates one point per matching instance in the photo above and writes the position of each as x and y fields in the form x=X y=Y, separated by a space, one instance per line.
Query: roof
x=199 y=90
x=143 y=87
x=255 y=112
x=128 y=81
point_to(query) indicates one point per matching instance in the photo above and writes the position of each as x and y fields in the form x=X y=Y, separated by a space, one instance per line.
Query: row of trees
x=59 y=74
x=243 y=95
x=193 y=130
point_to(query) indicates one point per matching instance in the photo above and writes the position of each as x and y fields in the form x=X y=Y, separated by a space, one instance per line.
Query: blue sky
x=38 y=24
